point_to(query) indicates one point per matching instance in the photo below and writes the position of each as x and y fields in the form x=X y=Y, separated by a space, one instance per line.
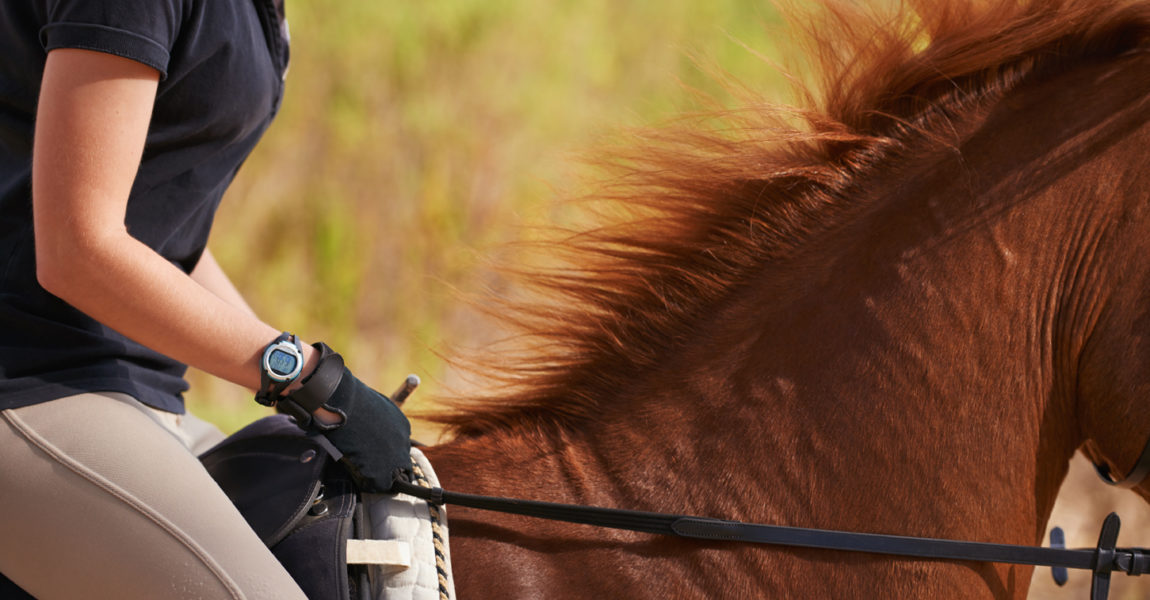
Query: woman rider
x=121 y=124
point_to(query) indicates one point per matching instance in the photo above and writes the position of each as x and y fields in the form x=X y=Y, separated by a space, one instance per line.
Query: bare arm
x=91 y=125
x=209 y=275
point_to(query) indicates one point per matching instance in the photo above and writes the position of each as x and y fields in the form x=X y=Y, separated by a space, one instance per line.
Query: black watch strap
x=317 y=388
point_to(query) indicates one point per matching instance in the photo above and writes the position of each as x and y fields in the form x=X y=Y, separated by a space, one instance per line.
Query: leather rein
x=1101 y=560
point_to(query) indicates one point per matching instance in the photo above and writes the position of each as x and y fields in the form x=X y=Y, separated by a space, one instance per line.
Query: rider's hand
x=369 y=429
x=375 y=438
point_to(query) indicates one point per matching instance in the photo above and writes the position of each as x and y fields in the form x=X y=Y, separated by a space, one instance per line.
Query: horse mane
x=693 y=208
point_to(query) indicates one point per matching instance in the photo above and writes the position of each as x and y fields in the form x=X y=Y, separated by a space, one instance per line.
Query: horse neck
x=911 y=370
x=900 y=379
x=834 y=414
x=912 y=348
x=784 y=436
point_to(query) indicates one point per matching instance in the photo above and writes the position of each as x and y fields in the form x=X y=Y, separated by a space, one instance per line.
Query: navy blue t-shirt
x=221 y=64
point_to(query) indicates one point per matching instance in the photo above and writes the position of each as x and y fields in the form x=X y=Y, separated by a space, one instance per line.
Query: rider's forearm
x=209 y=275
x=122 y=283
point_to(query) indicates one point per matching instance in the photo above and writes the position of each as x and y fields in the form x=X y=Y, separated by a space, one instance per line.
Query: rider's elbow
x=53 y=274
x=64 y=263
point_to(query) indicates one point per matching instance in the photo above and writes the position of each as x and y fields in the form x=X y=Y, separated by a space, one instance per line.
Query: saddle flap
x=286 y=464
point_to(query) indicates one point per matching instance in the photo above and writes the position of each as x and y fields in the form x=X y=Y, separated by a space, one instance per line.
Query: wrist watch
x=281 y=364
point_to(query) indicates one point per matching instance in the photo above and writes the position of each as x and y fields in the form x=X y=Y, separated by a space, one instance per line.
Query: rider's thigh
x=98 y=500
x=195 y=434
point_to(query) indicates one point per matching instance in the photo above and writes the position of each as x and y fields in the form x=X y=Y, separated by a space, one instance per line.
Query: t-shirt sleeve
x=142 y=30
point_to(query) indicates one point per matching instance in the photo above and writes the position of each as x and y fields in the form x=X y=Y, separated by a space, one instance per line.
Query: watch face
x=281 y=362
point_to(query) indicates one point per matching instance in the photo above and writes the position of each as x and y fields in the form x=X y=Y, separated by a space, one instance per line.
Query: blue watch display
x=283 y=361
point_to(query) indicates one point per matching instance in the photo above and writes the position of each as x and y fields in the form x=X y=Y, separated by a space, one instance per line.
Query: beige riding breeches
x=102 y=497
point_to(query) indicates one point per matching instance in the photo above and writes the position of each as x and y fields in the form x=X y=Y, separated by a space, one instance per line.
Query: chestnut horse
x=899 y=309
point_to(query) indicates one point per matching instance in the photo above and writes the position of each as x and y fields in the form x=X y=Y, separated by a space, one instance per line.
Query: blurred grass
x=415 y=134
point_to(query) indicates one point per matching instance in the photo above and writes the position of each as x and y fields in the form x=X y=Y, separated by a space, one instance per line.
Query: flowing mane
x=691 y=210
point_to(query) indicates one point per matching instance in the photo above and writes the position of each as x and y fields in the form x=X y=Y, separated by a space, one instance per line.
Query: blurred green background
x=415 y=135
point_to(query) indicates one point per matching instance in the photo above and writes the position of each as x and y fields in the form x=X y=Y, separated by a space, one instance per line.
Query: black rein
x=1101 y=560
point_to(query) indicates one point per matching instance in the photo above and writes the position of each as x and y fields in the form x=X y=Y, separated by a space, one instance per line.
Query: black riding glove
x=374 y=437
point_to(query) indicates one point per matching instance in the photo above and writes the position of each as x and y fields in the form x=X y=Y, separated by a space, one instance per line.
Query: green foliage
x=415 y=134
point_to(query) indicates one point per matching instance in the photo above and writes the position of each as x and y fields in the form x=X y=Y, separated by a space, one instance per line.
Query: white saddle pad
x=403 y=546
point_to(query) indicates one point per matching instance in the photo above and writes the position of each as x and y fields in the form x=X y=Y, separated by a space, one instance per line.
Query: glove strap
x=317 y=389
